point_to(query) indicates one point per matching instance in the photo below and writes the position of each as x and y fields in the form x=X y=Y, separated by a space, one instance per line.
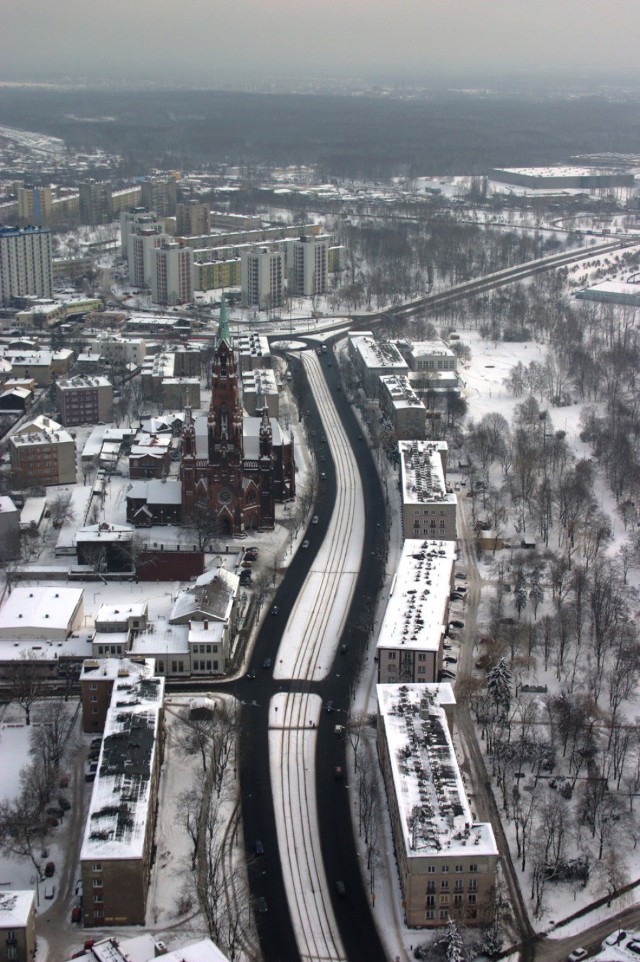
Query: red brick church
x=234 y=466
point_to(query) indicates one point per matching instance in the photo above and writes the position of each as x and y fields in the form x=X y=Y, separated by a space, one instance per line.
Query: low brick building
x=84 y=400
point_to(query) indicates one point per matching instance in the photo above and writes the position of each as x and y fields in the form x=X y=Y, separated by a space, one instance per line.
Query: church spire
x=224 y=334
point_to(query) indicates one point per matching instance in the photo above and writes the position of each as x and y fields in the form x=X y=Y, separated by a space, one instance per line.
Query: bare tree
x=26 y=681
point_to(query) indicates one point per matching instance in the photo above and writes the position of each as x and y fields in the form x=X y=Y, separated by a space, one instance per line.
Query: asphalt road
x=353 y=912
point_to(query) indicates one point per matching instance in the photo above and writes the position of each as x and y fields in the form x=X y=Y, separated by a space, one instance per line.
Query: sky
x=199 y=41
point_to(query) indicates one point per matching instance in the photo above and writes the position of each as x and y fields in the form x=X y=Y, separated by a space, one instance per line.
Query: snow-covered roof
x=157 y=491
x=260 y=380
x=79 y=381
x=378 y=354
x=32 y=511
x=211 y=596
x=121 y=613
x=430 y=349
x=105 y=532
x=129 y=670
x=432 y=803
x=42 y=438
x=416 y=609
x=120 y=801
x=39 y=610
x=400 y=390
x=422 y=473
x=15 y=908
x=6 y=504
x=160 y=639
x=37 y=424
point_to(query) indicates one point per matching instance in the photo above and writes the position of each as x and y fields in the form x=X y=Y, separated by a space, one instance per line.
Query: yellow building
x=216 y=274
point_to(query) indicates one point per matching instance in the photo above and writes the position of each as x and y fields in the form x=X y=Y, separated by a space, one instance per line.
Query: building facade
x=26 y=267
x=192 y=217
x=308 y=265
x=447 y=862
x=261 y=278
x=44 y=457
x=84 y=400
x=429 y=508
x=171 y=274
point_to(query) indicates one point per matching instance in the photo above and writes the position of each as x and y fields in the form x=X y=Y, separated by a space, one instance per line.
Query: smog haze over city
x=210 y=41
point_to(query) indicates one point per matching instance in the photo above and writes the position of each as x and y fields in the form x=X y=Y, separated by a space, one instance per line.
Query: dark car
x=50 y=869
x=76 y=915
x=456 y=624
x=340 y=889
x=262 y=905
x=251 y=674
x=266 y=663
x=259 y=847
x=275 y=610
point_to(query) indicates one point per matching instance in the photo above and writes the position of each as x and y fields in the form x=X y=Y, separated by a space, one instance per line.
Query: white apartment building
x=428 y=507
x=410 y=642
x=140 y=245
x=261 y=273
x=132 y=220
x=25 y=263
x=400 y=404
x=372 y=359
x=308 y=265
x=446 y=860
x=171 y=274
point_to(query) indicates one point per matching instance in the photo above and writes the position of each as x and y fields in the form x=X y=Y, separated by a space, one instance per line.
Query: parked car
x=90 y=772
x=616 y=938
x=456 y=623
x=49 y=890
x=76 y=916
x=50 y=869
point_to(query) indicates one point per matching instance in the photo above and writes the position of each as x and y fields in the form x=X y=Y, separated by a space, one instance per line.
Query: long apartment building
x=428 y=506
x=26 y=267
x=372 y=359
x=447 y=860
x=115 y=860
x=411 y=638
x=402 y=406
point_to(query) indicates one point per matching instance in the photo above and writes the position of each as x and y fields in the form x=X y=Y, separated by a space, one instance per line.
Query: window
x=431 y=901
x=97 y=898
x=431 y=886
x=457 y=900
x=444 y=900
x=459 y=868
x=473 y=899
x=473 y=868
x=93 y=686
x=444 y=883
x=458 y=887
x=473 y=885
x=97 y=883
x=430 y=914
x=444 y=869
x=93 y=698
x=94 y=709
x=444 y=914
x=431 y=869
x=422 y=656
x=96 y=867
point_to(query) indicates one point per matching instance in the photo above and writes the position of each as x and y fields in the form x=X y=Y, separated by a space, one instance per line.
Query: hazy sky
x=202 y=40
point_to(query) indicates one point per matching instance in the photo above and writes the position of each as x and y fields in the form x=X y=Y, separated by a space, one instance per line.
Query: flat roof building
x=446 y=860
x=428 y=507
x=410 y=641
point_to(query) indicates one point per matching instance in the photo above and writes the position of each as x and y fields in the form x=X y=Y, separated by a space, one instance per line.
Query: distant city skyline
x=201 y=41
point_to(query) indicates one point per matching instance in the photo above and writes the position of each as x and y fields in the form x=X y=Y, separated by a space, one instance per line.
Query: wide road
x=291 y=800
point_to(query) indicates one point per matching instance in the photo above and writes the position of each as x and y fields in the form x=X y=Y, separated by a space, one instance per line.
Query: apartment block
x=428 y=506
x=25 y=263
x=307 y=265
x=261 y=278
x=192 y=217
x=447 y=861
x=372 y=359
x=96 y=202
x=44 y=457
x=115 y=860
x=411 y=638
x=17 y=926
x=171 y=274
x=35 y=206
x=400 y=404
x=84 y=400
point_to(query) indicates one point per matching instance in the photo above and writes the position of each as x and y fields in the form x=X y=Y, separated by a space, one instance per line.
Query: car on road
x=340 y=889
x=329 y=706
x=577 y=955
x=251 y=674
x=344 y=649
x=275 y=610
x=262 y=905
x=259 y=847
x=456 y=623
x=305 y=543
x=266 y=663
x=338 y=773
x=315 y=519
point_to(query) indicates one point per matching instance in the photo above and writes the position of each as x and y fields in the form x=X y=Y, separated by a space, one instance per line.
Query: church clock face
x=224 y=496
